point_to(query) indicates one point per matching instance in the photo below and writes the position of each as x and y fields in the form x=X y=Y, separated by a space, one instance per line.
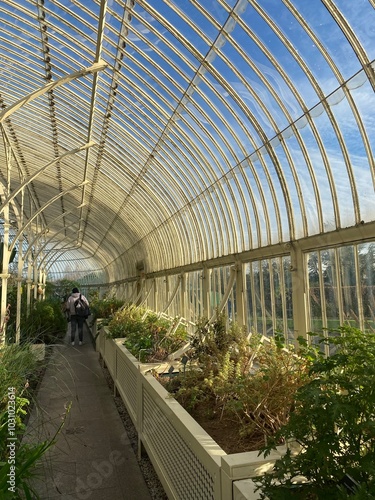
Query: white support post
x=240 y=296
x=139 y=417
x=19 y=289
x=6 y=252
x=40 y=285
x=4 y=277
x=156 y=304
x=166 y=280
x=206 y=273
x=29 y=284
x=298 y=274
x=35 y=281
x=44 y=280
x=184 y=297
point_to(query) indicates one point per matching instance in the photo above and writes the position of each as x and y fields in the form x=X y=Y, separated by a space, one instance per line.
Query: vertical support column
x=338 y=286
x=20 y=273
x=40 y=285
x=184 y=300
x=5 y=243
x=19 y=289
x=166 y=279
x=298 y=276
x=139 y=418
x=156 y=304
x=44 y=281
x=206 y=292
x=240 y=296
x=35 y=280
x=4 y=275
x=29 y=282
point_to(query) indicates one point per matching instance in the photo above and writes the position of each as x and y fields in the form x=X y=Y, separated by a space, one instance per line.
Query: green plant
x=127 y=322
x=212 y=339
x=147 y=336
x=104 y=308
x=247 y=382
x=60 y=289
x=45 y=322
x=17 y=459
x=17 y=363
x=333 y=422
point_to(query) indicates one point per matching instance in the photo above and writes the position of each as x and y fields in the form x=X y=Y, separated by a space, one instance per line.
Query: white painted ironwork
x=223 y=135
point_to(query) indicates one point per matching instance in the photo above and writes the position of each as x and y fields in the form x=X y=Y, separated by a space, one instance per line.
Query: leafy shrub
x=45 y=323
x=334 y=423
x=234 y=378
x=146 y=335
x=104 y=308
x=60 y=289
x=17 y=365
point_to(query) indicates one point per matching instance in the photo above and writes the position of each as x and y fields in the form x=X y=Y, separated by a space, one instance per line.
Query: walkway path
x=93 y=458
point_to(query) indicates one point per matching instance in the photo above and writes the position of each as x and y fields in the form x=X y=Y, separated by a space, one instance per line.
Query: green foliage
x=17 y=366
x=236 y=378
x=147 y=336
x=17 y=363
x=12 y=308
x=60 y=289
x=213 y=339
x=104 y=308
x=22 y=459
x=127 y=322
x=45 y=323
x=334 y=422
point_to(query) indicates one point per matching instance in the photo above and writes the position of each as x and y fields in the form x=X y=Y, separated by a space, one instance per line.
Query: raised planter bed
x=189 y=463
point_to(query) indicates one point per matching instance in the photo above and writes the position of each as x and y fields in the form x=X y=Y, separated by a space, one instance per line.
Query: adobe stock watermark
x=101 y=471
x=11 y=439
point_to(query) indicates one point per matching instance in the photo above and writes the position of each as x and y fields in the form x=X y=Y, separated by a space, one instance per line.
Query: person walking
x=76 y=320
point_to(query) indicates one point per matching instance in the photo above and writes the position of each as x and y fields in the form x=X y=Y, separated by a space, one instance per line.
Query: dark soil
x=226 y=433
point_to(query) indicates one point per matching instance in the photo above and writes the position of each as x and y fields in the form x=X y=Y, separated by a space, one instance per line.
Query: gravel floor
x=151 y=478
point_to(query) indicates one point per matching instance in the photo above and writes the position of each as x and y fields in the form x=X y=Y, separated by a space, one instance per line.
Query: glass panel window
x=269 y=297
x=194 y=296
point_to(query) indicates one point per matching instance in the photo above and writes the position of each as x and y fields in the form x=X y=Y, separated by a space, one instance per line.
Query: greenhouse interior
x=202 y=161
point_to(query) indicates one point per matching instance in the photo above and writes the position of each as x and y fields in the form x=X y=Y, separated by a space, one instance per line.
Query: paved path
x=93 y=458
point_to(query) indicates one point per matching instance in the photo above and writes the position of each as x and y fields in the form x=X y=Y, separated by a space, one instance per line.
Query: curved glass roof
x=176 y=132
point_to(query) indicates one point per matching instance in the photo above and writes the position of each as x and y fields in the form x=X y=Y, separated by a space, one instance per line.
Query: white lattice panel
x=126 y=383
x=110 y=356
x=188 y=477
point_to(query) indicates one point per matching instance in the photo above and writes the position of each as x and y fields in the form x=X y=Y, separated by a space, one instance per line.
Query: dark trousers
x=76 y=322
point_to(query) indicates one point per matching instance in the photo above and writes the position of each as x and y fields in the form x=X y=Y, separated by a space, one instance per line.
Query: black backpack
x=81 y=308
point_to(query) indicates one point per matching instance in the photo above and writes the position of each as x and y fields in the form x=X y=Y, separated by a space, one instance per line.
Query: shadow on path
x=92 y=458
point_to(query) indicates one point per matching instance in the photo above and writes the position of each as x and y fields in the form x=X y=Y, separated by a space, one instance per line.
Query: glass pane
x=348 y=279
x=315 y=300
x=331 y=290
x=366 y=257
